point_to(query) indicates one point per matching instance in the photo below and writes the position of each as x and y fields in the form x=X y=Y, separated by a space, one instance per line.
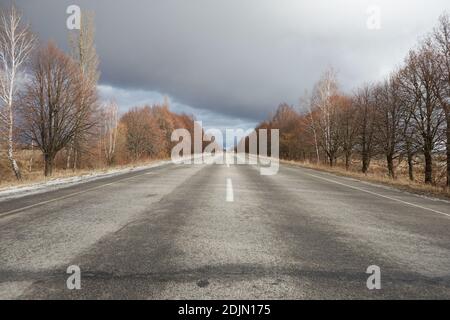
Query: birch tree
x=306 y=102
x=110 y=130
x=327 y=122
x=16 y=44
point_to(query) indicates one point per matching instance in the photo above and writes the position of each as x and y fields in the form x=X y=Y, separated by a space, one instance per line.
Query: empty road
x=224 y=232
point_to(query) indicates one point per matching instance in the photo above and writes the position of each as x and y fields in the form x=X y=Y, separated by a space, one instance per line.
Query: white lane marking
x=230 y=195
x=379 y=195
x=8 y=213
x=227 y=160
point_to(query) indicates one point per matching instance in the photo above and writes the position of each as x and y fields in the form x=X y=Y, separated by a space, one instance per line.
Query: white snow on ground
x=54 y=184
x=12 y=290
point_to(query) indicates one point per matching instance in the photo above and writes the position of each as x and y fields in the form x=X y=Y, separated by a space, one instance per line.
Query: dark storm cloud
x=240 y=58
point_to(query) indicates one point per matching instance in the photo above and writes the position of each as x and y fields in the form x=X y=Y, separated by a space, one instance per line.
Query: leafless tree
x=390 y=113
x=349 y=128
x=143 y=133
x=410 y=139
x=326 y=122
x=411 y=147
x=51 y=108
x=441 y=39
x=16 y=44
x=306 y=103
x=419 y=79
x=110 y=115
x=363 y=100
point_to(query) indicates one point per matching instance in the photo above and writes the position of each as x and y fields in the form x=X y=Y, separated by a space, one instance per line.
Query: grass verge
x=402 y=183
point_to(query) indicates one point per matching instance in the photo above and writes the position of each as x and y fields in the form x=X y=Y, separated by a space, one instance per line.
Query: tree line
x=49 y=102
x=404 y=118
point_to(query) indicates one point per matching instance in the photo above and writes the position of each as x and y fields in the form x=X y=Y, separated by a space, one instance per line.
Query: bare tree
x=411 y=148
x=306 y=102
x=326 y=121
x=349 y=128
x=286 y=119
x=143 y=133
x=313 y=127
x=409 y=140
x=16 y=43
x=441 y=37
x=163 y=117
x=110 y=115
x=51 y=108
x=364 y=103
x=419 y=79
x=390 y=112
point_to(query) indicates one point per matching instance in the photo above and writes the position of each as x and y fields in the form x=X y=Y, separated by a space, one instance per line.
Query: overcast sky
x=231 y=62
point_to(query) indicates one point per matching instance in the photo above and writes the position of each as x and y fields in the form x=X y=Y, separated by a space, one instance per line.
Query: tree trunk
x=75 y=159
x=11 y=158
x=14 y=164
x=410 y=156
x=331 y=160
x=48 y=165
x=390 y=164
x=428 y=166
x=365 y=162
x=316 y=146
x=410 y=166
x=347 y=160
x=69 y=152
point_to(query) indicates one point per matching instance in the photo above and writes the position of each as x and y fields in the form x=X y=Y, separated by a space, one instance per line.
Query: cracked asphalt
x=170 y=233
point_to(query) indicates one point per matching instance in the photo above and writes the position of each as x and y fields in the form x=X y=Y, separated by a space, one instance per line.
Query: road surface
x=224 y=232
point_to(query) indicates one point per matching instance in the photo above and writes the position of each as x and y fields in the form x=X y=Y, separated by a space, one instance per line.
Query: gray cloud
x=240 y=58
x=127 y=98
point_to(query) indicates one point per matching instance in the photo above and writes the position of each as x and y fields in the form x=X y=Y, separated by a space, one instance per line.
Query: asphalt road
x=224 y=232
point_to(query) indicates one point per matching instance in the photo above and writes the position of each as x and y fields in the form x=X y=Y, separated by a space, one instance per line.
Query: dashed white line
x=227 y=160
x=230 y=194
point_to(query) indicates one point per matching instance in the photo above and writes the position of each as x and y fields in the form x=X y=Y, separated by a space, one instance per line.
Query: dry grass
x=36 y=175
x=377 y=174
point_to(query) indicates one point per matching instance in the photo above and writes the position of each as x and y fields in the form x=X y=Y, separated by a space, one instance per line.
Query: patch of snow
x=12 y=290
x=58 y=183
